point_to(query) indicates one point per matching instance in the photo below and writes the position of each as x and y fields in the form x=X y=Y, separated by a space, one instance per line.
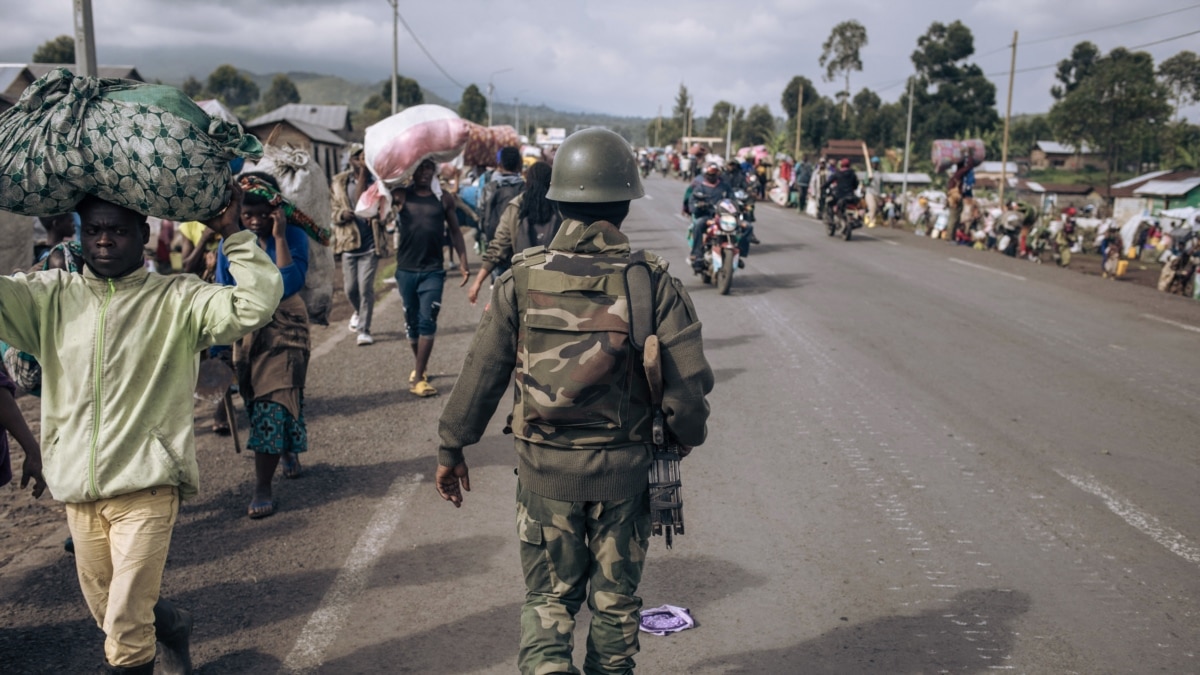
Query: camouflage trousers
x=573 y=550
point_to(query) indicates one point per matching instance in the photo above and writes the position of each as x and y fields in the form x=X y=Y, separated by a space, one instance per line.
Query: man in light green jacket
x=119 y=349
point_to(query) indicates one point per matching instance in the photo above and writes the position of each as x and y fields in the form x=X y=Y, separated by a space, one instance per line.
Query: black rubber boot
x=173 y=630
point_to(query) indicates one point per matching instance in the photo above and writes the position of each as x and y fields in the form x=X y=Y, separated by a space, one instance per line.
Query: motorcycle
x=845 y=220
x=721 y=236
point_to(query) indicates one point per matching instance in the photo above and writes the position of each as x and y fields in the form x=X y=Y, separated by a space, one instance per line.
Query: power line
x=1039 y=41
x=1055 y=65
x=1159 y=42
x=427 y=54
x=1115 y=25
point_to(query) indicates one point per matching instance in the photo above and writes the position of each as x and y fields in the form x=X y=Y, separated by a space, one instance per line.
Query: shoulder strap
x=639 y=288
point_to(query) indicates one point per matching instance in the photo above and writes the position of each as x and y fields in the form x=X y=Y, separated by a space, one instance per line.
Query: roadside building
x=112 y=72
x=1172 y=191
x=893 y=182
x=1125 y=204
x=1055 y=155
x=855 y=151
x=1057 y=196
x=320 y=130
x=14 y=78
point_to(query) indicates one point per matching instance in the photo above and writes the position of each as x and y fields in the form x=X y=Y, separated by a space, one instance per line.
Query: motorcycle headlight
x=728 y=223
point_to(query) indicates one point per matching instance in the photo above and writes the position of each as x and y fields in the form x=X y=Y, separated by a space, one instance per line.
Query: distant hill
x=334 y=90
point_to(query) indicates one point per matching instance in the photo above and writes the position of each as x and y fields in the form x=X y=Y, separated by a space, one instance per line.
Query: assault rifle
x=666 y=502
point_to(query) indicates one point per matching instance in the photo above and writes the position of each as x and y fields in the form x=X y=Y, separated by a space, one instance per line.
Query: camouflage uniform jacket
x=581 y=413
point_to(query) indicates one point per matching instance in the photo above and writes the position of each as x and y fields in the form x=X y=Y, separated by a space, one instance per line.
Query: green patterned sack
x=146 y=147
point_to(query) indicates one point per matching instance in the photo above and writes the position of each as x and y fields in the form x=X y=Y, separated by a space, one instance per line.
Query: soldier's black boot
x=173 y=630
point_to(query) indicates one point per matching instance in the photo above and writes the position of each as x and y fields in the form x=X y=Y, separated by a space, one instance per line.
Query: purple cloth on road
x=666 y=619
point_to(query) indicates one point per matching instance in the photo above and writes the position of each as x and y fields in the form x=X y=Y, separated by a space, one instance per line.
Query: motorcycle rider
x=842 y=186
x=735 y=176
x=707 y=191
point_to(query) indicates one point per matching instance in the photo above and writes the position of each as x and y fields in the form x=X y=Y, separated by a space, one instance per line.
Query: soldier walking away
x=582 y=415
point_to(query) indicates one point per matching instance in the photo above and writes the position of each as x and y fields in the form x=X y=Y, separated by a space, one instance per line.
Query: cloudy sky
x=624 y=57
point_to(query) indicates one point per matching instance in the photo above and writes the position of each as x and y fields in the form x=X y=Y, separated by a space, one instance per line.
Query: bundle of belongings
x=396 y=146
x=145 y=147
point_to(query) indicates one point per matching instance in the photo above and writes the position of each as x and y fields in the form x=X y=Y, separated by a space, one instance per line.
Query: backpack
x=499 y=199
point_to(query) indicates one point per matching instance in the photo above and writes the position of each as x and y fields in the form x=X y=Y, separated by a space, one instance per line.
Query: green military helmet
x=595 y=166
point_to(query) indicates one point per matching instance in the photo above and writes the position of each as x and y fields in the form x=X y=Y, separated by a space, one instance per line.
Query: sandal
x=412 y=377
x=423 y=389
x=291 y=465
x=221 y=429
x=261 y=508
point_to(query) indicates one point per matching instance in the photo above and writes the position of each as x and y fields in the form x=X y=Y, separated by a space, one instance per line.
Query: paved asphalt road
x=921 y=459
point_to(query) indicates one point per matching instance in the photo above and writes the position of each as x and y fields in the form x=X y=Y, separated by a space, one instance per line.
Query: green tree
x=192 y=87
x=682 y=112
x=1026 y=130
x=717 y=124
x=1181 y=74
x=759 y=127
x=840 y=54
x=791 y=95
x=231 y=87
x=408 y=92
x=281 y=92
x=473 y=106
x=950 y=96
x=1116 y=108
x=1071 y=71
x=790 y=100
x=59 y=50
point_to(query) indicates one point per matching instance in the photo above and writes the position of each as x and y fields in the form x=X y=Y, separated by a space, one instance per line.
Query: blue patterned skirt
x=274 y=431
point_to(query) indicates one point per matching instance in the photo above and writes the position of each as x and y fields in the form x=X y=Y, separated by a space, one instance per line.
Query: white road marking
x=1145 y=523
x=332 y=341
x=886 y=241
x=326 y=623
x=986 y=269
x=683 y=217
x=649 y=197
x=1177 y=324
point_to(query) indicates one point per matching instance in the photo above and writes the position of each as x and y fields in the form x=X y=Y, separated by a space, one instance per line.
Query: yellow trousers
x=120 y=549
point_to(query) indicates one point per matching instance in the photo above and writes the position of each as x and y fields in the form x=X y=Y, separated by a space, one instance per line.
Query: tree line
x=1120 y=104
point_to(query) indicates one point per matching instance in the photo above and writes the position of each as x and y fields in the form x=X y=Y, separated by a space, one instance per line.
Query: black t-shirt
x=422 y=233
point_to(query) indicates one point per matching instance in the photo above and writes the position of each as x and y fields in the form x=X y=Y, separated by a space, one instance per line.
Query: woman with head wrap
x=272 y=362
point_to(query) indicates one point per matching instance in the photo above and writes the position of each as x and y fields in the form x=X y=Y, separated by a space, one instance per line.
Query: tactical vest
x=579 y=382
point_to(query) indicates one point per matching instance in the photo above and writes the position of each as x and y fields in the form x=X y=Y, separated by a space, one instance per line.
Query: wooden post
x=1007 y=120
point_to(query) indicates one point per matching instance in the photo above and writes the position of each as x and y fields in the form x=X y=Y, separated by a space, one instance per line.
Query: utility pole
x=658 y=127
x=799 y=112
x=395 y=52
x=1012 y=71
x=85 y=40
x=729 y=135
x=907 y=148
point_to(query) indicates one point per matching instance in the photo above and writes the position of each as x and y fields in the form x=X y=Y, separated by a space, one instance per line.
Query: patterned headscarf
x=257 y=186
